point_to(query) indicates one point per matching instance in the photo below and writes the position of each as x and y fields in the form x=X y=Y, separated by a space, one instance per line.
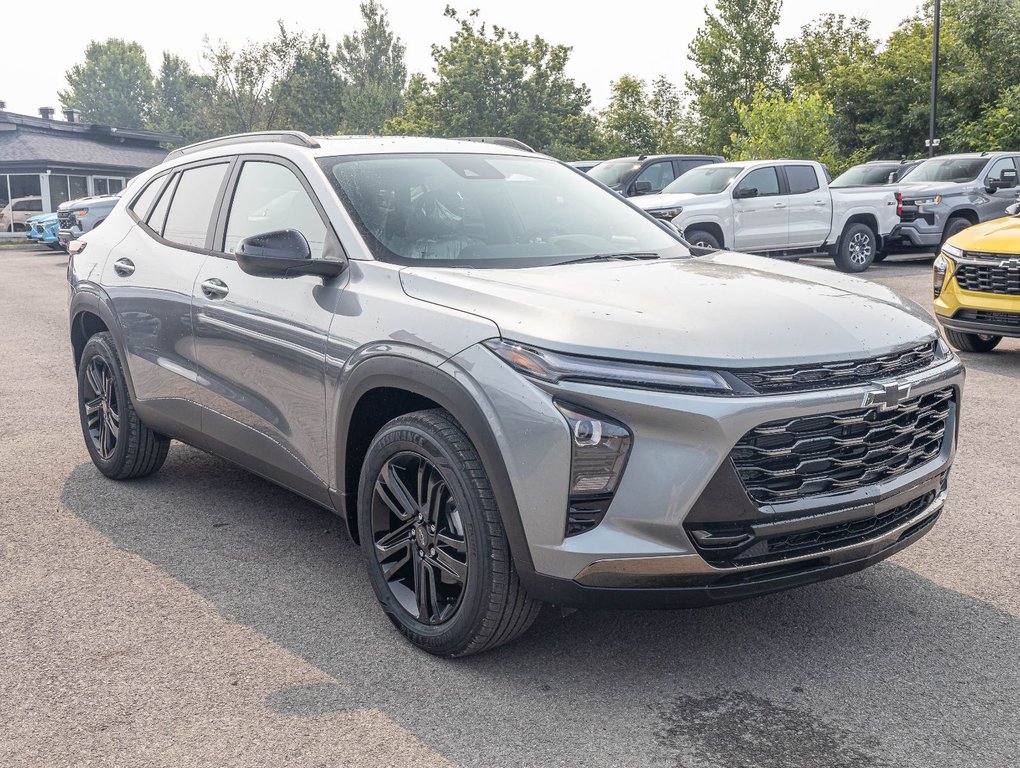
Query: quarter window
x=269 y=197
x=765 y=180
x=802 y=179
x=187 y=221
x=144 y=201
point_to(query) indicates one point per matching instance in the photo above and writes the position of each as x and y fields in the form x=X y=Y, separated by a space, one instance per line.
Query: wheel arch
x=91 y=314
x=382 y=387
x=713 y=228
x=867 y=219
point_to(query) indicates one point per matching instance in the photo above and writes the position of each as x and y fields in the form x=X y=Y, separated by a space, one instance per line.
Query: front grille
x=765 y=548
x=849 y=373
x=1009 y=319
x=66 y=219
x=39 y=228
x=811 y=455
x=989 y=278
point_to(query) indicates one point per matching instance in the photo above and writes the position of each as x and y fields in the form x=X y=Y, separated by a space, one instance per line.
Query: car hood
x=997 y=236
x=87 y=201
x=727 y=309
x=651 y=202
x=913 y=190
x=41 y=218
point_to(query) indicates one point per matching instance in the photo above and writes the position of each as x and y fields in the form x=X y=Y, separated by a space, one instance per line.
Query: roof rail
x=500 y=140
x=285 y=137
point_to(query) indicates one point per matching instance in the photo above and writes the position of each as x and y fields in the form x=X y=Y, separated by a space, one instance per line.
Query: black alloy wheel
x=419 y=538
x=102 y=409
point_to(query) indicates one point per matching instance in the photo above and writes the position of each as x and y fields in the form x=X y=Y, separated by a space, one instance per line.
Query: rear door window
x=191 y=210
x=802 y=179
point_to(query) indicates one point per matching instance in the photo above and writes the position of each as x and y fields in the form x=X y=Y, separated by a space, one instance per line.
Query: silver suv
x=514 y=385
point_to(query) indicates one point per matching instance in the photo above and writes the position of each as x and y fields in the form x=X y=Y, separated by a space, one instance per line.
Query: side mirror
x=1007 y=180
x=893 y=177
x=641 y=188
x=743 y=193
x=283 y=253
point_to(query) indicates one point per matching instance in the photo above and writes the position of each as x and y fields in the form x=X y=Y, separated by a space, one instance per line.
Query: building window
x=20 y=198
x=106 y=185
x=64 y=188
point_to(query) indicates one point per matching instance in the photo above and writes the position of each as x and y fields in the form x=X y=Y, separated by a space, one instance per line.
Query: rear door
x=261 y=341
x=762 y=222
x=150 y=277
x=810 y=206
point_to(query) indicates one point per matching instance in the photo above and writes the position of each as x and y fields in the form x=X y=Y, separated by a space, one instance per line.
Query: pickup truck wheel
x=702 y=239
x=954 y=226
x=972 y=342
x=857 y=248
x=433 y=540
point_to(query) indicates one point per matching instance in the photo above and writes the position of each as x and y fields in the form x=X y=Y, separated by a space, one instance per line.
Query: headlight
x=81 y=212
x=555 y=367
x=666 y=213
x=929 y=200
x=939 y=268
x=952 y=251
x=598 y=452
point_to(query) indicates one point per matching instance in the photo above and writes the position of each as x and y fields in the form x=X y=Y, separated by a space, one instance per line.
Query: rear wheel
x=120 y=445
x=857 y=248
x=972 y=342
x=433 y=540
x=702 y=239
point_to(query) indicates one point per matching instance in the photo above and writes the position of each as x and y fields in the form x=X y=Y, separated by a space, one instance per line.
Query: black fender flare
x=427 y=380
x=89 y=298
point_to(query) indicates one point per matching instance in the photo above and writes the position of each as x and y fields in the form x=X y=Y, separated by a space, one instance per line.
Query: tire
x=857 y=248
x=954 y=226
x=55 y=246
x=426 y=455
x=103 y=401
x=972 y=342
x=701 y=238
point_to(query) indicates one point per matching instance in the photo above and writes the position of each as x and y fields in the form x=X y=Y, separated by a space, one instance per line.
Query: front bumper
x=992 y=314
x=918 y=233
x=676 y=474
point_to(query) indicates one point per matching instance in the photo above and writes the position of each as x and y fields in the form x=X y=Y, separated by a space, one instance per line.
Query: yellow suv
x=977 y=284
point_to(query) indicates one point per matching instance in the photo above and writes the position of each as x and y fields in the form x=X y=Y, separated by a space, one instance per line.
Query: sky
x=639 y=37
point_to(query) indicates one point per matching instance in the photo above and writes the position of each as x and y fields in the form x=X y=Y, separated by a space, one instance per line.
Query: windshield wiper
x=631 y=256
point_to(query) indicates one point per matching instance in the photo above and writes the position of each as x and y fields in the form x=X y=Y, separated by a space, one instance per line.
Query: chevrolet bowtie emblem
x=1010 y=264
x=889 y=396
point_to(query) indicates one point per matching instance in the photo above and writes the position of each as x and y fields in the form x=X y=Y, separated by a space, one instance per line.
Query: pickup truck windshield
x=949 y=169
x=613 y=172
x=707 y=180
x=489 y=211
x=865 y=176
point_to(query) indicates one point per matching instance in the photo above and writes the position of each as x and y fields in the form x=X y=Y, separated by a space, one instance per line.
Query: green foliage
x=735 y=53
x=638 y=121
x=998 y=127
x=113 y=86
x=311 y=90
x=184 y=103
x=491 y=82
x=773 y=125
x=372 y=63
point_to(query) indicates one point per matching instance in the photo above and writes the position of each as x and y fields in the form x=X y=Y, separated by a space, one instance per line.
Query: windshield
x=707 y=180
x=612 y=173
x=488 y=211
x=865 y=176
x=959 y=169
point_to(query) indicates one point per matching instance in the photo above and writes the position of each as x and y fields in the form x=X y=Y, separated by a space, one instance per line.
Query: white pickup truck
x=780 y=208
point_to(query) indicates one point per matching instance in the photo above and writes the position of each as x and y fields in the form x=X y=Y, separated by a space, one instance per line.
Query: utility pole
x=932 y=141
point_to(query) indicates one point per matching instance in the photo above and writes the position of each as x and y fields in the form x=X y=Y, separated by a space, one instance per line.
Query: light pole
x=932 y=141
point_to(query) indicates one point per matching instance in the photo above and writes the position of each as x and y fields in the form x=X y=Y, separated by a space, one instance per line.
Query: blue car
x=43 y=228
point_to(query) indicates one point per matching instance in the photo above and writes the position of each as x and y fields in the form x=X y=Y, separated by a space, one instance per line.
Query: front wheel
x=857 y=248
x=972 y=342
x=437 y=554
x=701 y=238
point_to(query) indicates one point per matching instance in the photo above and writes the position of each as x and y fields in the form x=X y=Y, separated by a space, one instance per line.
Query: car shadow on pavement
x=879 y=668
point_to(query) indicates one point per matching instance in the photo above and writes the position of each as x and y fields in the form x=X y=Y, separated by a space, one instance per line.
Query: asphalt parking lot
x=205 y=617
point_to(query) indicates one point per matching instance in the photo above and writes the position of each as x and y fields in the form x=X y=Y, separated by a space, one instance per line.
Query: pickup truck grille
x=989 y=278
x=811 y=455
x=849 y=373
x=66 y=219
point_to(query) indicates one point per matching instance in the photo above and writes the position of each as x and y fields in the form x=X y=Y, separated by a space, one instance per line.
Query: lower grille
x=765 y=548
x=989 y=278
x=1008 y=319
x=811 y=455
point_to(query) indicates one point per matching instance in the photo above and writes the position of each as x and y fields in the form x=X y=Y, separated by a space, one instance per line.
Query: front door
x=260 y=342
x=761 y=222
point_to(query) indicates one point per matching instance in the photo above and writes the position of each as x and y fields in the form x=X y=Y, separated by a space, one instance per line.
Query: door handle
x=215 y=288
x=779 y=205
x=124 y=267
x=819 y=202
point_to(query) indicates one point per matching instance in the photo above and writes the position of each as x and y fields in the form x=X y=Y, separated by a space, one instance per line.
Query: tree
x=113 y=86
x=735 y=52
x=183 y=102
x=310 y=93
x=773 y=125
x=637 y=121
x=491 y=82
x=372 y=63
